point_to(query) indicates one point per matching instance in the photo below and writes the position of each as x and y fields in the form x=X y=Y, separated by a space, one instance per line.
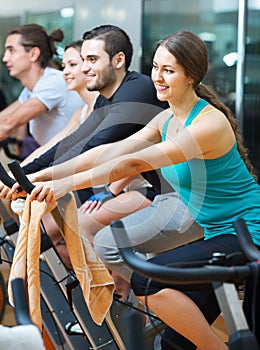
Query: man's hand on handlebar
x=11 y=193
x=4 y=191
x=16 y=192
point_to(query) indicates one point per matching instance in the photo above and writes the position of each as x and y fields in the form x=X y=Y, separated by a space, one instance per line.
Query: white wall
x=125 y=14
x=88 y=14
x=17 y=7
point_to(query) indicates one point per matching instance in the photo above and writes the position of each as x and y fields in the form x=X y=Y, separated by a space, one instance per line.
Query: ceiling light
x=67 y=12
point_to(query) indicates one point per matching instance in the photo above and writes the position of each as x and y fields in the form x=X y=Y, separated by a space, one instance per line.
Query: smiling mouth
x=89 y=77
x=161 y=88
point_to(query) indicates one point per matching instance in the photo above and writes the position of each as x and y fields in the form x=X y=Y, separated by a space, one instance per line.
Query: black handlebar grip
x=20 y=176
x=20 y=302
x=5 y=178
x=245 y=240
x=25 y=183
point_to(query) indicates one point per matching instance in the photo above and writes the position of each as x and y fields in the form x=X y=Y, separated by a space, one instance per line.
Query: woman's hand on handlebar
x=48 y=191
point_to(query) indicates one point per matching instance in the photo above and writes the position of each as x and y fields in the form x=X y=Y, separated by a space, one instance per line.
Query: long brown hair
x=192 y=54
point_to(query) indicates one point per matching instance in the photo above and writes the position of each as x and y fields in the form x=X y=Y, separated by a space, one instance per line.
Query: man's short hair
x=115 y=40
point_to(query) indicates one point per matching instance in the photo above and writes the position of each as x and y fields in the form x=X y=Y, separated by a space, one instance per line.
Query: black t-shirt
x=131 y=107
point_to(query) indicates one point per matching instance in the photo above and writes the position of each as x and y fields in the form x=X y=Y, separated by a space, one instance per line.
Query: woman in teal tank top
x=201 y=182
x=199 y=149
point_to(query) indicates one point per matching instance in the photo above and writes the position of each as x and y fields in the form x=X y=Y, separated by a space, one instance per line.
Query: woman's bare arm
x=199 y=140
x=98 y=155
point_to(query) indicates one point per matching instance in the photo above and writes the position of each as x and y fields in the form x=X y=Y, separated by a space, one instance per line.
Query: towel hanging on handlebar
x=95 y=280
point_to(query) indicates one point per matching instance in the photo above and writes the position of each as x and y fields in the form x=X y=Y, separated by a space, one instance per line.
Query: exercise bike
x=25 y=335
x=223 y=279
x=64 y=312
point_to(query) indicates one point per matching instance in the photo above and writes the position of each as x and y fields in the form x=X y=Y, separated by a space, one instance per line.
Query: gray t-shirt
x=61 y=103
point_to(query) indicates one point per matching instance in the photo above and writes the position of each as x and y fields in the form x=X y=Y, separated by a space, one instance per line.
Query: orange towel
x=95 y=280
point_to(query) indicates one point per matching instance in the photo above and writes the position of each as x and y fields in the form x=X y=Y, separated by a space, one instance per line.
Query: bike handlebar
x=5 y=178
x=20 y=302
x=22 y=179
x=4 y=145
x=160 y=273
x=8 y=180
x=177 y=275
x=20 y=176
x=245 y=240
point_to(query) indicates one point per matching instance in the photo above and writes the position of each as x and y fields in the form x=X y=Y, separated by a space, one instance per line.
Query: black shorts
x=199 y=250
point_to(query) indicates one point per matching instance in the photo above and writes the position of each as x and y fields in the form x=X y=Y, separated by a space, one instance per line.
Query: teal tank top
x=216 y=191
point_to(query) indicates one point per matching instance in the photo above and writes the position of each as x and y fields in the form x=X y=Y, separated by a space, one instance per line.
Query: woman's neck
x=182 y=108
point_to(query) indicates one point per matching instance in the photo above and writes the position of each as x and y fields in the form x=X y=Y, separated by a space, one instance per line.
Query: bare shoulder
x=161 y=118
x=213 y=132
x=212 y=116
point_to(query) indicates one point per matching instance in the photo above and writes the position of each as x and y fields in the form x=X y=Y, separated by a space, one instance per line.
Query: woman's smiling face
x=72 y=64
x=169 y=77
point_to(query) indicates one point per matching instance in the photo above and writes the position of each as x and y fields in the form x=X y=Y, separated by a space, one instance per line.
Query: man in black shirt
x=127 y=102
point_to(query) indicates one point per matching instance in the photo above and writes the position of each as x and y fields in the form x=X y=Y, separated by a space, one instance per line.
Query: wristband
x=101 y=196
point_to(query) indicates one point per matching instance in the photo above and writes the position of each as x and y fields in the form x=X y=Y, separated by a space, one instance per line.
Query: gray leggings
x=164 y=225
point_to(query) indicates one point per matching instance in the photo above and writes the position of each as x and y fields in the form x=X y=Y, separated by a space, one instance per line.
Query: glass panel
x=51 y=21
x=251 y=125
x=214 y=21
